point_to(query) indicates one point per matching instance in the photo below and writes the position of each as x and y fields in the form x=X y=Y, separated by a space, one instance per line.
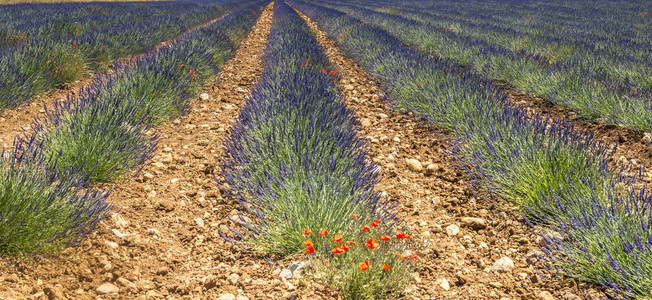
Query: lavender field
x=327 y=149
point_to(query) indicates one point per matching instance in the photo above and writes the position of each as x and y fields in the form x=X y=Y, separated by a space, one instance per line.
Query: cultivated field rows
x=257 y=168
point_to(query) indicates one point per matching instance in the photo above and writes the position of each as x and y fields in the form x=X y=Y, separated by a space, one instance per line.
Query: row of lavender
x=598 y=227
x=43 y=46
x=599 y=82
x=297 y=166
x=48 y=197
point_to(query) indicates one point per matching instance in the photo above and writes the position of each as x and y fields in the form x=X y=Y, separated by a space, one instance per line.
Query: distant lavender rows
x=598 y=226
x=607 y=78
x=294 y=160
x=45 y=45
x=47 y=198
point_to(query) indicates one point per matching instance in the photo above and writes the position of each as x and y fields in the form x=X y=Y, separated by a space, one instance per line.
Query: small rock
x=475 y=223
x=125 y=282
x=461 y=279
x=148 y=176
x=495 y=284
x=243 y=298
x=285 y=274
x=203 y=96
x=233 y=278
x=200 y=222
x=444 y=284
x=297 y=267
x=416 y=278
x=348 y=87
x=545 y=295
x=112 y=244
x=414 y=165
x=227 y=296
x=535 y=278
x=288 y=285
x=174 y=180
x=53 y=292
x=503 y=265
x=431 y=169
x=162 y=271
x=107 y=288
x=383 y=116
x=117 y=233
x=209 y=282
x=647 y=138
x=452 y=230
x=365 y=123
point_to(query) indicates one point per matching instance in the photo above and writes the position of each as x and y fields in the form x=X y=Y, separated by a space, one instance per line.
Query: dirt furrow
x=164 y=242
x=468 y=243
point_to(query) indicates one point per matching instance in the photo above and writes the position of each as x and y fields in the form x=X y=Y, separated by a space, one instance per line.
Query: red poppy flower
x=307 y=231
x=351 y=243
x=338 y=250
x=310 y=249
x=364 y=265
x=308 y=243
x=353 y=215
x=337 y=238
x=365 y=228
x=418 y=83
x=403 y=256
x=402 y=235
x=323 y=232
x=344 y=247
x=386 y=267
x=372 y=244
x=415 y=256
x=375 y=223
x=74 y=45
x=385 y=238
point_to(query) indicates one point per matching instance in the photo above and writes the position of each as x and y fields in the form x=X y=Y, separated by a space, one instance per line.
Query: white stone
x=452 y=230
x=285 y=274
x=503 y=265
x=227 y=296
x=107 y=288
